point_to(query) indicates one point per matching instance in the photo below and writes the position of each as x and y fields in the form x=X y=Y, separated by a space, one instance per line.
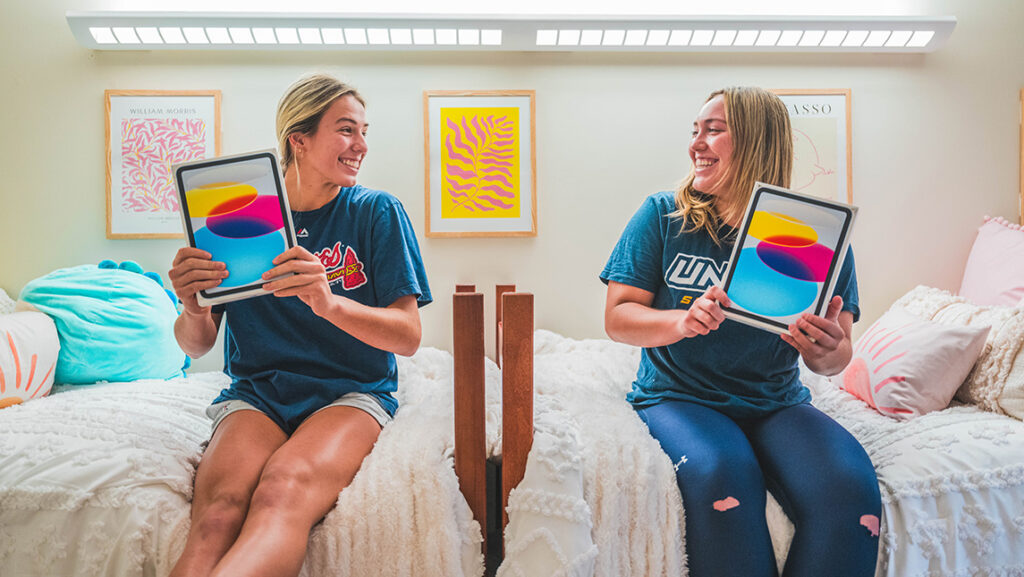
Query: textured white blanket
x=97 y=480
x=952 y=481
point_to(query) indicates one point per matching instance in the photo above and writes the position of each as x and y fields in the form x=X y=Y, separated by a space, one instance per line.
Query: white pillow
x=549 y=522
x=6 y=303
x=905 y=366
x=28 y=356
x=997 y=382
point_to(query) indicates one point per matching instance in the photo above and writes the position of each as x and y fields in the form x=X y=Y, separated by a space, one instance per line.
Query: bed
x=952 y=480
x=96 y=480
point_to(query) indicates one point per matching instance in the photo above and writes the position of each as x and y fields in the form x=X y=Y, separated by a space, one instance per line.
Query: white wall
x=935 y=148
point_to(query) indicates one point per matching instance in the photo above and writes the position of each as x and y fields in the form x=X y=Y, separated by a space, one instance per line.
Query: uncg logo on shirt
x=694 y=273
x=349 y=272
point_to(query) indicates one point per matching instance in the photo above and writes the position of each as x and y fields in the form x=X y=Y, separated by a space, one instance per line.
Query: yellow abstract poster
x=481 y=165
x=480 y=162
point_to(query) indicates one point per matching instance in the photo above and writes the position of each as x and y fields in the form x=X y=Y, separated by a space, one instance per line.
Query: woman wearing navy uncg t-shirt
x=724 y=399
x=312 y=365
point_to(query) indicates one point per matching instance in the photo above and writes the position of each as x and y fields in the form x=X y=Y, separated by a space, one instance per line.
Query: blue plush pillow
x=114 y=324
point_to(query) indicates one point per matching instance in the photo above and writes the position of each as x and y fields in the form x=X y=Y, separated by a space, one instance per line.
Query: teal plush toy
x=113 y=321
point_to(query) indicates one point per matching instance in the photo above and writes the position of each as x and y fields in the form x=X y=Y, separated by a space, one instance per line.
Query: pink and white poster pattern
x=149 y=146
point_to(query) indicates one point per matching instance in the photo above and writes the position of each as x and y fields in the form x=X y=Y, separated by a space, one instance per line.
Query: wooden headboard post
x=517 y=392
x=499 y=290
x=470 y=432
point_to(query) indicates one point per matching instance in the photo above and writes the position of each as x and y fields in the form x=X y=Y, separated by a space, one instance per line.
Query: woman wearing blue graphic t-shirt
x=724 y=399
x=312 y=365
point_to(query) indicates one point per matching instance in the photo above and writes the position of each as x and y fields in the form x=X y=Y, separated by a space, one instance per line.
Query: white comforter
x=952 y=481
x=97 y=480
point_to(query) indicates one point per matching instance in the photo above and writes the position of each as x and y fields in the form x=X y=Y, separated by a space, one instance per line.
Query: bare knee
x=283 y=488
x=221 y=515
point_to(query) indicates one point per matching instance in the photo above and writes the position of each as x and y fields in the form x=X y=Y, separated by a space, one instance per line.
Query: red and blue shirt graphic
x=349 y=272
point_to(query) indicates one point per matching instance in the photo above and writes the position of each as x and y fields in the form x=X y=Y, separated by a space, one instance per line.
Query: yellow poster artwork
x=480 y=164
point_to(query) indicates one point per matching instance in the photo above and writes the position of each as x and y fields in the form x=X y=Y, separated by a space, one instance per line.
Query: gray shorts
x=362 y=401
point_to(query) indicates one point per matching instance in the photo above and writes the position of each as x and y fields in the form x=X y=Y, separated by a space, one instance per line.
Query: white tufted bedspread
x=97 y=481
x=952 y=481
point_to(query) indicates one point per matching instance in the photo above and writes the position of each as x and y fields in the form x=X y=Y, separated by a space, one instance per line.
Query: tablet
x=787 y=257
x=236 y=209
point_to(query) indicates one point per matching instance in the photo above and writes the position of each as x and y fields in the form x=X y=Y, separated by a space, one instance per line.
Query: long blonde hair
x=302 y=107
x=762 y=142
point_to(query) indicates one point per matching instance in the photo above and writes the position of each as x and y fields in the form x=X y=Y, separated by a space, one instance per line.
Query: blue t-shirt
x=288 y=362
x=737 y=369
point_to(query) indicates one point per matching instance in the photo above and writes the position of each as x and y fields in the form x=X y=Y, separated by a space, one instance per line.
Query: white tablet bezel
x=213 y=296
x=825 y=293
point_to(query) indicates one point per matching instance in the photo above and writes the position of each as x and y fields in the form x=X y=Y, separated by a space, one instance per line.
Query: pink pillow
x=905 y=366
x=995 y=268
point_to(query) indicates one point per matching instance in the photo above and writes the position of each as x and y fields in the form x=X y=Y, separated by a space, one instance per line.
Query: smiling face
x=711 y=148
x=335 y=151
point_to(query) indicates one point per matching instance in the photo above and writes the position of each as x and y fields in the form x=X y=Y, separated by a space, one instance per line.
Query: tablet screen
x=788 y=253
x=235 y=209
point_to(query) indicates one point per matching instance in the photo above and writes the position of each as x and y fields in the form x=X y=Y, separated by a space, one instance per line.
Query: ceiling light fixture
x=115 y=30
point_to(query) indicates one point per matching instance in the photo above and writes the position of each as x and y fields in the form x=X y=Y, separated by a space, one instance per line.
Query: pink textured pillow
x=995 y=268
x=905 y=366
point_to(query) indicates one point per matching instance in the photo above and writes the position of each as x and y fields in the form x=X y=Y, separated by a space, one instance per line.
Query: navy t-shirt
x=737 y=369
x=288 y=362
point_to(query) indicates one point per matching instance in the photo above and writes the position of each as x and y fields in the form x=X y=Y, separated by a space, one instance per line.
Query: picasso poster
x=480 y=164
x=787 y=257
x=146 y=132
x=821 y=142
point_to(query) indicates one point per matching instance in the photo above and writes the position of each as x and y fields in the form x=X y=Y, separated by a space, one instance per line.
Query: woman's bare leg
x=225 y=481
x=299 y=485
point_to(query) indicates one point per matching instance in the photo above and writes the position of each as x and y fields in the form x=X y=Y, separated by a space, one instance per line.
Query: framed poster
x=787 y=257
x=822 y=152
x=480 y=163
x=236 y=209
x=146 y=132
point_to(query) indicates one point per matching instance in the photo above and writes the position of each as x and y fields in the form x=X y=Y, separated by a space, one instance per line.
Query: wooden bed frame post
x=470 y=432
x=517 y=392
x=499 y=290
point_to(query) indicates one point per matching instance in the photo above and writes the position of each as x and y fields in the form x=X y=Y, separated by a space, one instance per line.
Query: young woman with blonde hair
x=723 y=399
x=313 y=364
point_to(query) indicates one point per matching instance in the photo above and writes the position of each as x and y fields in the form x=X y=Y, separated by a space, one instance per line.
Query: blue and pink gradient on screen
x=781 y=273
x=243 y=229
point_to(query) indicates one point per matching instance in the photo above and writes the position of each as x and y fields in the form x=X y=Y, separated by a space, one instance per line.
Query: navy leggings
x=816 y=470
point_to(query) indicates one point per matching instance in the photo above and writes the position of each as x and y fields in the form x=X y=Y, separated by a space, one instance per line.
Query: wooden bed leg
x=470 y=433
x=516 y=393
x=499 y=290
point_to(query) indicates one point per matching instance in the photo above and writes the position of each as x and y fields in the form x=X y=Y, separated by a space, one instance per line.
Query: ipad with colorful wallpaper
x=787 y=257
x=236 y=209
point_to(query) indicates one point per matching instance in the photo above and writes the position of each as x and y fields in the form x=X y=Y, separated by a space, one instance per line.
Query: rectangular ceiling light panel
x=119 y=30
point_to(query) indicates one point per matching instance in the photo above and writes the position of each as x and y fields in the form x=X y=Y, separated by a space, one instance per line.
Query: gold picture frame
x=480 y=163
x=146 y=132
